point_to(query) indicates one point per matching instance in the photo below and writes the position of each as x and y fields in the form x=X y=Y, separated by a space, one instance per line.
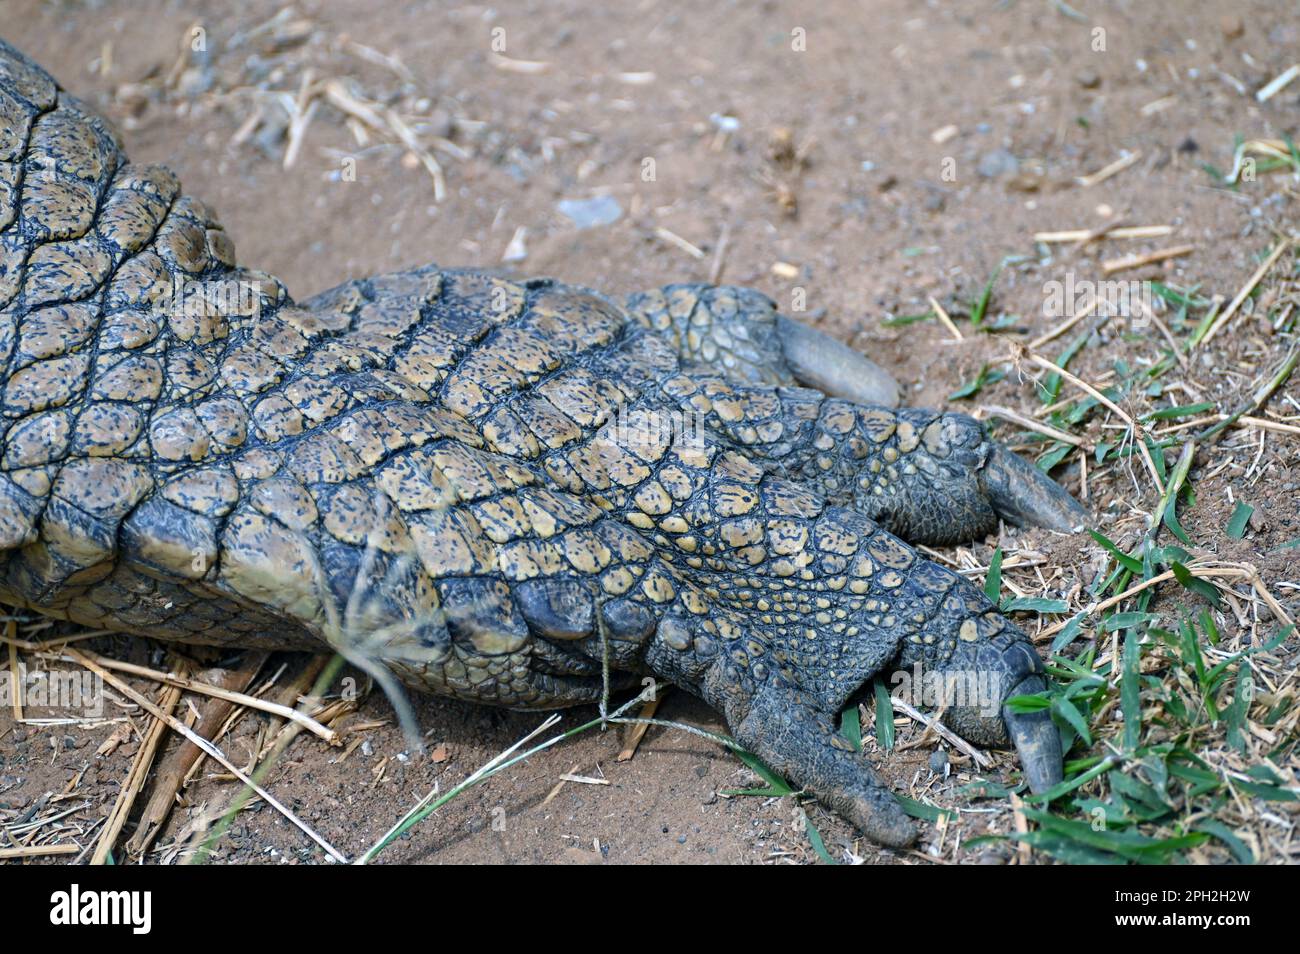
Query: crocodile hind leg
x=929 y=477
x=786 y=607
x=738 y=334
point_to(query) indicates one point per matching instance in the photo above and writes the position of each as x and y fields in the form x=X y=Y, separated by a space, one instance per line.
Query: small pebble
x=726 y=124
x=997 y=163
x=943 y=134
x=586 y=213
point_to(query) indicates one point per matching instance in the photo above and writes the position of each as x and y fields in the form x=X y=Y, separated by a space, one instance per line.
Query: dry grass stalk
x=637 y=730
x=1278 y=83
x=583 y=779
x=527 y=67
x=945 y=319
x=36 y=851
x=207 y=747
x=1104 y=173
x=1214 y=572
x=1226 y=315
x=1029 y=424
x=559 y=786
x=294 y=694
x=675 y=240
x=1066 y=325
x=1117 y=232
x=1110 y=266
x=1024 y=855
x=138 y=773
x=174 y=770
x=952 y=738
x=1023 y=354
x=382 y=119
x=203 y=688
x=720 y=254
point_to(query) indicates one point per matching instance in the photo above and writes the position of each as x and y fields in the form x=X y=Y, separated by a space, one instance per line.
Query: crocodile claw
x=1036 y=739
x=1024 y=496
x=820 y=361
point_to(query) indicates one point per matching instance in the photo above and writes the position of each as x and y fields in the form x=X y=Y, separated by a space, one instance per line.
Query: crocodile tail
x=119 y=299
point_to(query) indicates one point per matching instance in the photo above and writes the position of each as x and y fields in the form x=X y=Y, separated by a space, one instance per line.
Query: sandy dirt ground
x=849 y=159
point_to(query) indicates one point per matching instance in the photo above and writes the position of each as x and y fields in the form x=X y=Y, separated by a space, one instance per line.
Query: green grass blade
x=993 y=579
x=1132 y=564
x=851 y=726
x=1130 y=688
x=884 y=716
x=1240 y=517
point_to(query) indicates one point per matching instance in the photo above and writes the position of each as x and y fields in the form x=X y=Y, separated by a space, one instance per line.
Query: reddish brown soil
x=878 y=228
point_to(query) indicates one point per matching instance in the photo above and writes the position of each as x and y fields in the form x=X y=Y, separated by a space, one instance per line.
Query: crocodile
x=516 y=492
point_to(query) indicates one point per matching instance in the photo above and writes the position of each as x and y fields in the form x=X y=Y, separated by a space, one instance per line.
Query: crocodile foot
x=781 y=654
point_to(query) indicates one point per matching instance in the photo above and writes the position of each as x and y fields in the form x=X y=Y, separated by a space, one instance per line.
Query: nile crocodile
x=520 y=493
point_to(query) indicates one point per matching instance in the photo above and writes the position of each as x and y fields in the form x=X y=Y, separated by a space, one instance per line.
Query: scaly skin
x=470 y=480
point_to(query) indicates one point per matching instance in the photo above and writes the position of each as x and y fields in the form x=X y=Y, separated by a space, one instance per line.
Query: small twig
x=141 y=700
x=1257 y=400
x=1023 y=851
x=203 y=688
x=952 y=738
x=510 y=65
x=583 y=779
x=136 y=776
x=637 y=732
x=559 y=786
x=172 y=771
x=1118 y=232
x=1134 y=426
x=1278 y=83
x=1264 y=424
x=1104 y=173
x=675 y=240
x=1146 y=258
x=720 y=254
x=1226 y=315
x=1029 y=424
x=381 y=118
x=1065 y=326
x=35 y=851
x=947 y=321
x=1168 y=335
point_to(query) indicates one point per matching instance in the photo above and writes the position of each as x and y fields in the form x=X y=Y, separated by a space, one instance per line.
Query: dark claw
x=1036 y=739
x=805 y=747
x=1024 y=496
x=820 y=361
x=1008 y=666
